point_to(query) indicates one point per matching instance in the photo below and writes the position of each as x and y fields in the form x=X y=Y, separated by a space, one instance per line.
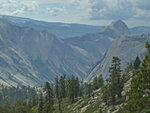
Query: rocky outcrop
x=126 y=48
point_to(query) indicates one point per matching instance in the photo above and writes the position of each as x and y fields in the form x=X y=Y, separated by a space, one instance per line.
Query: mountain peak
x=116 y=29
x=118 y=24
x=117 y=21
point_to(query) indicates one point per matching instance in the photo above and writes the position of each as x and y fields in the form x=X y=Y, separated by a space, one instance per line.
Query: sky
x=92 y=12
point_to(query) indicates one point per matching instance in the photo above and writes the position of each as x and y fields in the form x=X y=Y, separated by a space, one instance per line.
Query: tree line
x=46 y=99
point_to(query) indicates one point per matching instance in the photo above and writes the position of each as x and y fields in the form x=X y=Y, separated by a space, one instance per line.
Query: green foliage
x=49 y=93
x=95 y=83
x=62 y=86
x=56 y=86
x=139 y=96
x=15 y=93
x=47 y=108
x=115 y=79
x=101 y=81
x=137 y=62
x=106 y=94
x=89 y=87
x=40 y=106
x=71 y=88
x=81 y=89
x=93 y=108
x=6 y=109
x=20 y=107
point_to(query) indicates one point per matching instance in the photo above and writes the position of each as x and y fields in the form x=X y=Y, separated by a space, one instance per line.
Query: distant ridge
x=61 y=30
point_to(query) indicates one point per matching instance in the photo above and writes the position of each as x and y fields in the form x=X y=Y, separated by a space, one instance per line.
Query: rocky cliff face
x=30 y=57
x=126 y=48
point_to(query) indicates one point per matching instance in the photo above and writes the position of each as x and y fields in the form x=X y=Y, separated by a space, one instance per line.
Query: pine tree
x=115 y=79
x=106 y=94
x=60 y=96
x=77 y=86
x=71 y=88
x=139 y=97
x=89 y=89
x=81 y=89
x=56 y=86
x=40 y=107
x=49 y=93
x=100 y=81
x=61 y=91
x=47 y=108
x=95 y=83
x=137 y=62
x=62 y=83
x=30 y=103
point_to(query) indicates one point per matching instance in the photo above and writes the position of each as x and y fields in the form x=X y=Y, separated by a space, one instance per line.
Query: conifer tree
x=56 y=86
x=95 y=83
x=77 y=86
x=115 y=79
x=47 y=108
x=60 y=96
x=100 y=81
x=40 y=107
x=106 y=94
x=49 y=93
x=89 y=89
x=71 y=89
x=137 y=62
x=81 y=89
x=62 y=85
x=61 y=91
x=139 y=97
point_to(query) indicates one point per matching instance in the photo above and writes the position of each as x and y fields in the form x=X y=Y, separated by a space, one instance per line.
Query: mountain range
x=31 y=53
x=30 y=57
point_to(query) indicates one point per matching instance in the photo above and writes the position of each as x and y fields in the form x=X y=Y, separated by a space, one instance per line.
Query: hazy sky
x=94 y=12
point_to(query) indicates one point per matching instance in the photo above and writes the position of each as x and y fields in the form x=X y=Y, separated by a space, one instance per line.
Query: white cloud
x=120 y=9
x=78 y=10
x=82 y=8
x=143 y=4
x=15 y=7
x=56 y=11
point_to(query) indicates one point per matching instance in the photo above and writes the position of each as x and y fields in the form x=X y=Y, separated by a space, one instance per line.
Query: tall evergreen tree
x=60 y=96
x=62 y=83
x=95 y=83
x=47 y=108
x=76 y=87
x=81 y=89
x=61 y=91
x=49 y=93
x=100 y=81
x=115 y=79
x=56 y=86
x=71 y=88
x=89 y=89
x=137 y=62
x=139 y=97
x=40 y=107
